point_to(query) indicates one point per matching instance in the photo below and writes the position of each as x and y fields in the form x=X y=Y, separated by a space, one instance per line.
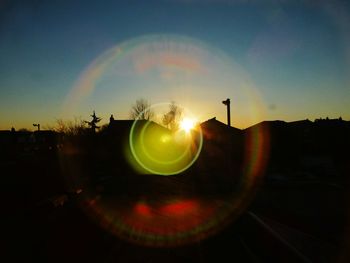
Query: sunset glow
x=187 y=124
x=175 y=130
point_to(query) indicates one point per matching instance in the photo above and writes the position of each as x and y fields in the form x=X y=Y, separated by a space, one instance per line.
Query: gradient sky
x=292 y=57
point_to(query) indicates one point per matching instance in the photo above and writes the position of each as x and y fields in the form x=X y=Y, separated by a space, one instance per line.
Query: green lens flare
x=161 y=151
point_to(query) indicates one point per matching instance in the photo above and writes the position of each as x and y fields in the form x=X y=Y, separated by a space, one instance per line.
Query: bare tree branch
x=70 y=127
x=141 y=110
x=172 y=118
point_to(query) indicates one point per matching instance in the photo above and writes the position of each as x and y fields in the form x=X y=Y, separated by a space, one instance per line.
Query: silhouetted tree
x=141 y=110
x=172 y=118
x=69 y=127
x=93 y=122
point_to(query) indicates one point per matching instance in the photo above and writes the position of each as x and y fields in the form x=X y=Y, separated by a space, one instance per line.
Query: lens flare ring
x=144 y=157
x=162 y=64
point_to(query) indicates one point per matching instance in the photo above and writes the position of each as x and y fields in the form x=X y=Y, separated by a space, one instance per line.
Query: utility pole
x=227 y=103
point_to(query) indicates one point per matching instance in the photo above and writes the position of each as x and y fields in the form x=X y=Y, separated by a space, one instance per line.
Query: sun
x=187 y=124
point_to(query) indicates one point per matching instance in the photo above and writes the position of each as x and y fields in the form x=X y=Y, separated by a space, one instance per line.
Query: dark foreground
x=287 y=222
x=299 y=212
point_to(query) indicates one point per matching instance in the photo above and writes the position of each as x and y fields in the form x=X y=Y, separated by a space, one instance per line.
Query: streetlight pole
x=227 y=102
x=37 y=125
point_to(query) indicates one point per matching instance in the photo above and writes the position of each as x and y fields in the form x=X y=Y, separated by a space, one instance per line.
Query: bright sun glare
x=187 y=124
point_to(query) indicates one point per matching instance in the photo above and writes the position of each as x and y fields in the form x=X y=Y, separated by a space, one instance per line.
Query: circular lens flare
x=162 y=151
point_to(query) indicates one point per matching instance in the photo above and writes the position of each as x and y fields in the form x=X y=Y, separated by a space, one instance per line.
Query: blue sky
x=295 y=52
